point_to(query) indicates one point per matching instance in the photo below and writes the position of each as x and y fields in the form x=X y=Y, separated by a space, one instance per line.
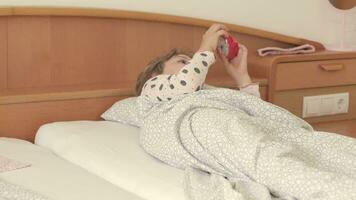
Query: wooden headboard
x=59 y=64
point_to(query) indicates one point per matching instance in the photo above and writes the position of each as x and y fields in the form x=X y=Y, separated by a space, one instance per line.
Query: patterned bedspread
x=9 y=191
x=236 y=146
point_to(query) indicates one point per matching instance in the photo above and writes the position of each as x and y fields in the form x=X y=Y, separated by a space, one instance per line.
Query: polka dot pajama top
x=189 y=79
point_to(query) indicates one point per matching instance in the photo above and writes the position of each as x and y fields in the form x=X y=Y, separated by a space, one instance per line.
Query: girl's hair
x=155 y=67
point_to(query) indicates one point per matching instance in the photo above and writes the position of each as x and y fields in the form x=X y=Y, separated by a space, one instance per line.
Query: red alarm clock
x=228 y=47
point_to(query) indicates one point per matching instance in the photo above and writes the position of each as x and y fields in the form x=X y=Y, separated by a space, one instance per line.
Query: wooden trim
x=58 y=96
x=5 y=11
x=46 y=96
x=134 y=15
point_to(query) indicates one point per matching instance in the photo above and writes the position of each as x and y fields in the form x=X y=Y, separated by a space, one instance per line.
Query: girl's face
x=173 y=65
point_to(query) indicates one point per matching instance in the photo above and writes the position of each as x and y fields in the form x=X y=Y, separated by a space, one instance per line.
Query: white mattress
x=111 y=150
x=55 y=177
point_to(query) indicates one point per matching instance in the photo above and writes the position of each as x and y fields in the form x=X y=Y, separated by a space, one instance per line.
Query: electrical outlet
x=322 y=105
x=342 y=103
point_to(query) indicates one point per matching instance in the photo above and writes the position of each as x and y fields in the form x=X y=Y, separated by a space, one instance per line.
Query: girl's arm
x=189 y=79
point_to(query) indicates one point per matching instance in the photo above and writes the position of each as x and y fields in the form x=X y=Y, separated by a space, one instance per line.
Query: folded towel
x=306 y=48
x=7 y=164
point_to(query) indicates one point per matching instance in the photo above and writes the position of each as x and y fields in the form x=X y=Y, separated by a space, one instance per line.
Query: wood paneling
x=87 y=50
x=3 y=53
x=29 y=52
x=145 y=41
x=345 y=127
x=54 y=51
x=47 y=51
x=23 y=120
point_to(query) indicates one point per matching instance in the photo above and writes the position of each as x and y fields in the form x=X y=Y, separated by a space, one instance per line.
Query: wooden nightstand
x=292 y=77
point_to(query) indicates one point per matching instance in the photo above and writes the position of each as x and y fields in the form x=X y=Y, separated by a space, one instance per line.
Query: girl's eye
x=183 y=61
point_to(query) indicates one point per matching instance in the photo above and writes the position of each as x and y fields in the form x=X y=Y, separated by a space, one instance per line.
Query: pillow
x=124 y=111
x=112 y=151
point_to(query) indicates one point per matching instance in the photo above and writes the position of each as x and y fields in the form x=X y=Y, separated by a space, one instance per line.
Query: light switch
x=311 y=106
x=327 y=105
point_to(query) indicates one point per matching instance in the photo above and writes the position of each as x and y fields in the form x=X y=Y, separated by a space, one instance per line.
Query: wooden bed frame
x=59 y=64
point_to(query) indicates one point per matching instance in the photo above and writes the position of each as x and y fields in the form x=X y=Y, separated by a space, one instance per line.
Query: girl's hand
x=211 y=37
x=237 y=67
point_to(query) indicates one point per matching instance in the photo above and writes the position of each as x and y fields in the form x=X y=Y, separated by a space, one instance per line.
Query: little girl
x=176 y=73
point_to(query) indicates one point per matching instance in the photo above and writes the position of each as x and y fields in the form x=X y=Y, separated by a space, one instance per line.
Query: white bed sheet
x=54 y=177
x=111 y=150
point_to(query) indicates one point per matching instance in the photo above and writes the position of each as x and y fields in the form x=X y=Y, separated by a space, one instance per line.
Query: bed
x=69 y=64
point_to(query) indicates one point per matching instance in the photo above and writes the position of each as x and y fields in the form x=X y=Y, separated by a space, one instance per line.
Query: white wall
x=310 y=19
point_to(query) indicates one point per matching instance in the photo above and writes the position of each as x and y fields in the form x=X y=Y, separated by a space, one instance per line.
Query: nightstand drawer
x=312 y=74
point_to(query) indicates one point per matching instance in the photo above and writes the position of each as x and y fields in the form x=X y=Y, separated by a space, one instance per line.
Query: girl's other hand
x=237 y=67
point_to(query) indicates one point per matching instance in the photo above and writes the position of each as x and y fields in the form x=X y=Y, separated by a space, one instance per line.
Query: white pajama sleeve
x=252 y=89
x=189 y=79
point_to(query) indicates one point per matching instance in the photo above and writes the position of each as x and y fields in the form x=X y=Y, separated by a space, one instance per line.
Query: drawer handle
x=332 y=67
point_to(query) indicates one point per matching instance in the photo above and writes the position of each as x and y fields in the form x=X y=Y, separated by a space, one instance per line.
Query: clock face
x=223 y=47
